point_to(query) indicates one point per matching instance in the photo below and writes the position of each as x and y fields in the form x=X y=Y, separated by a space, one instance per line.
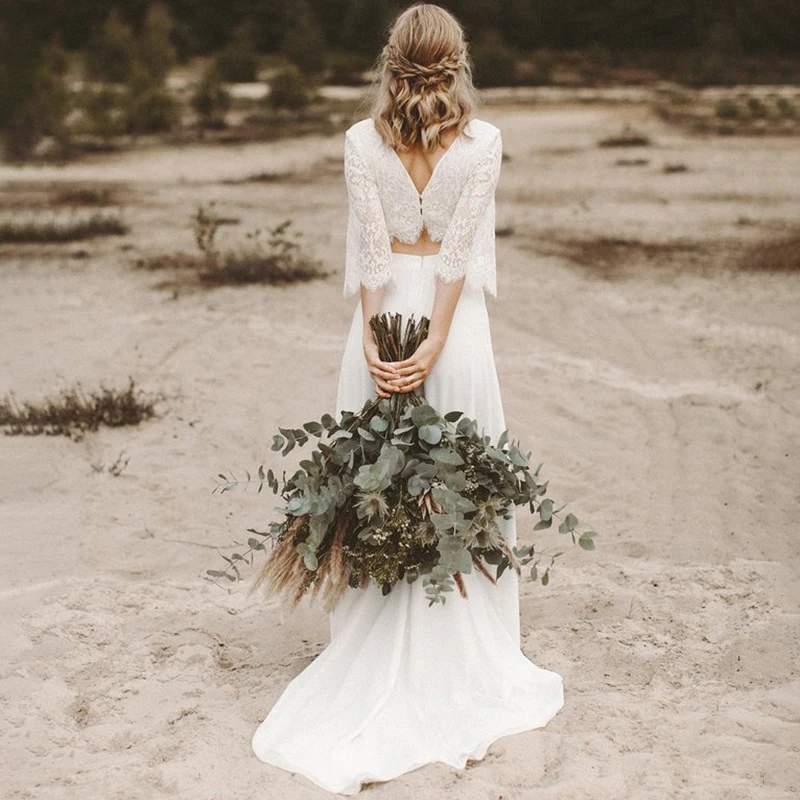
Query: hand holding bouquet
x=396 y=492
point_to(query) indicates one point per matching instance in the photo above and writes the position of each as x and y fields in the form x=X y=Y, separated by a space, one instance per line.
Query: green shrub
x=727 y=108
x=757 y=108
x=237 y=66
x=149 y=107
x=155 y=53
x=785 y=107
x=304 y=42
x=41 y=109
x=289 y=89
x=111 y=51
x=103 y=112
x=211 y=99
x=346 y=69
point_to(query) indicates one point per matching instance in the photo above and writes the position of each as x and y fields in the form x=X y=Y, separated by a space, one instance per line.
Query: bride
x=402 y=683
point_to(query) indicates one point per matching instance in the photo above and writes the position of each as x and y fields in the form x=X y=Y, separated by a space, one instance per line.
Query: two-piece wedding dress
x=403 y=683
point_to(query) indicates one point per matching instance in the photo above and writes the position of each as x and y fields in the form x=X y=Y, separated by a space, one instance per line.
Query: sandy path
x=663 y=402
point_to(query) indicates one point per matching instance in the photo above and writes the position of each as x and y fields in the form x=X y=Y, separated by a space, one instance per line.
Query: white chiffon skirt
x=402 y=683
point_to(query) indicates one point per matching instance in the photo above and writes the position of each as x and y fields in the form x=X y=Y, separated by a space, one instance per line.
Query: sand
x=661 y=392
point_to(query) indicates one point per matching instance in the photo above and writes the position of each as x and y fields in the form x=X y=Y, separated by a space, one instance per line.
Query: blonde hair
x=424 y=82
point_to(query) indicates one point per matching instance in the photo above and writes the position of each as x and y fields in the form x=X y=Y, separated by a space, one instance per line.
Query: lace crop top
x=456 y=207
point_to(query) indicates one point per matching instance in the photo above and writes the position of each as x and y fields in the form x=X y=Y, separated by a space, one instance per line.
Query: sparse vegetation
x=61 y=230
x=39 y=105
x=781 y=254
x=303 y=41
x=211 y=99
x=628 y=137
x=744 y=113
x=632 y=162
x=290 y=89
x=273 y=257
x=73 y=413
x=85 y=196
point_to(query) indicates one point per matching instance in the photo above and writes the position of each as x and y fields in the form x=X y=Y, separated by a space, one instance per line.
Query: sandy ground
x=662 y=396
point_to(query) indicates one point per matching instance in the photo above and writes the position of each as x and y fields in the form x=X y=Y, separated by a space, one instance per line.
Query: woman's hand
x=381 y=371
x=412 y=372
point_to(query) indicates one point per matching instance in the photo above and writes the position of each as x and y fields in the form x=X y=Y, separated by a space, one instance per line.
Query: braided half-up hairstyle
x=423 y=86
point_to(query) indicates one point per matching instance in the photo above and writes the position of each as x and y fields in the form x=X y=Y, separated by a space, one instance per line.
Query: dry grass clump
x=51 y=230
x=773 y=255
x=254 y=266
x=628 y=137
x=85 y=196
x=277 y=261
x=72 y=413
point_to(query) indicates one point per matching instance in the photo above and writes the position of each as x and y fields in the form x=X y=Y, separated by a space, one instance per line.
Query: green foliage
x=148 y=107
x=417 y=494
x=103 y=113
x=111 y=52
x=304 y=42
x=155 y=53
x=290 y=89
x=40 y=105
x=211 y=99
x=346 y=69
x=238 y=61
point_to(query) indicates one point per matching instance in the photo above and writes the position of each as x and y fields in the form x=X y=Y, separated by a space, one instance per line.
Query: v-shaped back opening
x=435 y=166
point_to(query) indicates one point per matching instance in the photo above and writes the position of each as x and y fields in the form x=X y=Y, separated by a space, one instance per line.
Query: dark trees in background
x=206 y=26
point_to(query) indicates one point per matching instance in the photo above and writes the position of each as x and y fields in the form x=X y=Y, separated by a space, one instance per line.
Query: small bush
x=103 y=113
x=289 y=89
x=150 y=109
x=73 y=413
x=238 y=62
x=111 y=52
x=785 y=108
x=237 y=66
x=41 y=108
x=54 y=230
x=346 y=69
x=155 y=53
x=304 y=42
x=211 y=99
x=727 y=108
x=627 y=138
x=757 y=108
x=277 y=261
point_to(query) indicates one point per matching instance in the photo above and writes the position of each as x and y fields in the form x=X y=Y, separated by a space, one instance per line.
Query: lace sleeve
x=368 y=245
x=472 y=206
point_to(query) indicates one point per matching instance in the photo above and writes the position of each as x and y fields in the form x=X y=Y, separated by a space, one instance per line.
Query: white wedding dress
x=402 y=683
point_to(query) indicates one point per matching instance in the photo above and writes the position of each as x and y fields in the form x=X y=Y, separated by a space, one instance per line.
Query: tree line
x=200 y=28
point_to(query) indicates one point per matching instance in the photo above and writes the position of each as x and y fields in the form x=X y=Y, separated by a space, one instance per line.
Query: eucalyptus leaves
x=395 y=492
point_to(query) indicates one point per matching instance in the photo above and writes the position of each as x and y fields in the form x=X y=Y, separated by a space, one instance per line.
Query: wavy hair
x=424 y=82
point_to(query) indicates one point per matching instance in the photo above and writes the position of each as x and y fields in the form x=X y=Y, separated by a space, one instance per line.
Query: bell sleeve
x=368 y=248
x=469 y=215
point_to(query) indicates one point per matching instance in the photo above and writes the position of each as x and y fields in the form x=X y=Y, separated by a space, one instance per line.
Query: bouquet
x=396 y=491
